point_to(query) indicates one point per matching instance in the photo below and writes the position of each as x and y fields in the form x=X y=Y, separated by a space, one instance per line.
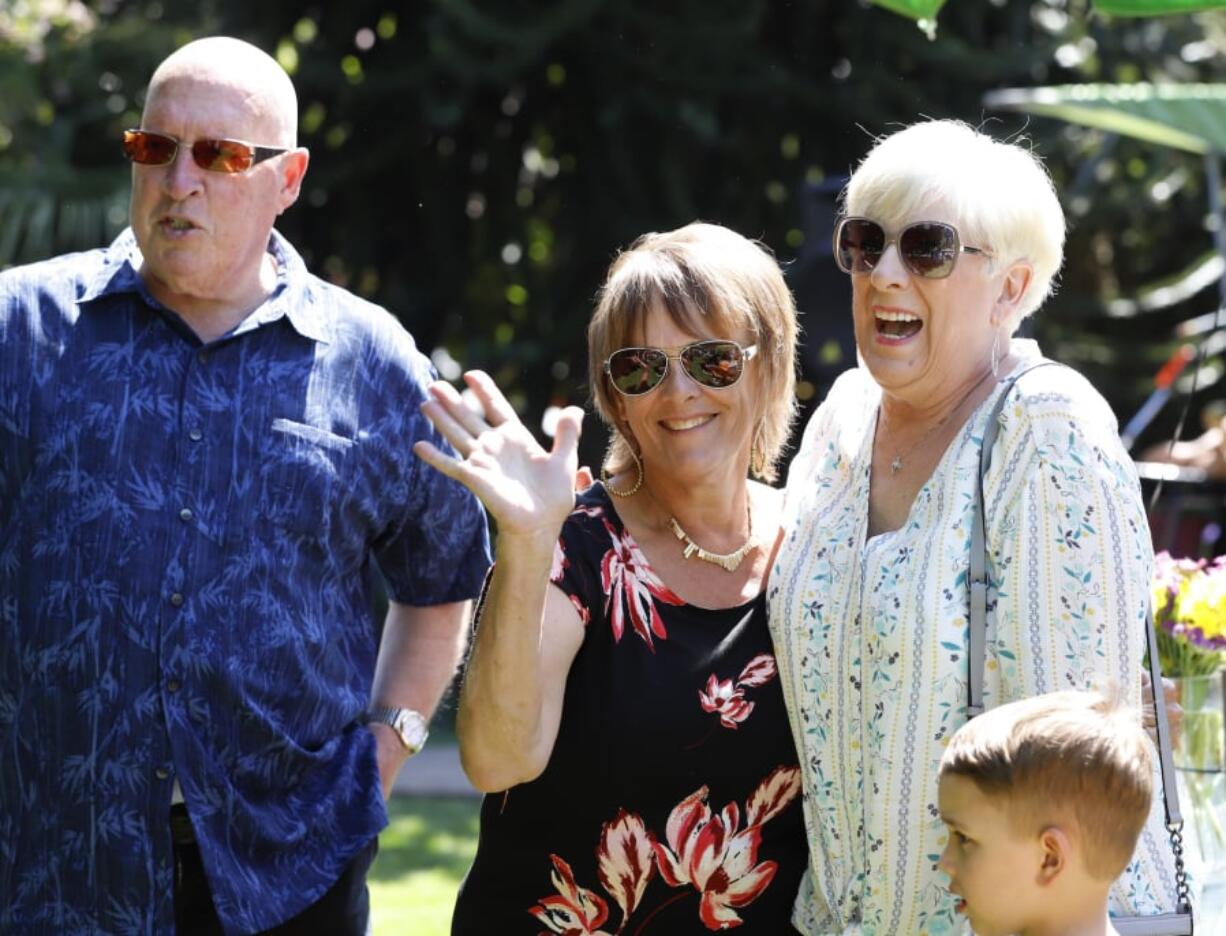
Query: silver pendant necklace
x=896 y=462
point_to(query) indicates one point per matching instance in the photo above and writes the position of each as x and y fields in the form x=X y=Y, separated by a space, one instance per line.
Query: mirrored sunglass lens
x=929 y=249
x=860 y=245
x=222 y=155
x=149 y=149
x=713 y=363
x=637 y=370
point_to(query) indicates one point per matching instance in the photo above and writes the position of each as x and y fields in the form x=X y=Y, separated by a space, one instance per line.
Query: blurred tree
x=70 y=75
x=476 y=164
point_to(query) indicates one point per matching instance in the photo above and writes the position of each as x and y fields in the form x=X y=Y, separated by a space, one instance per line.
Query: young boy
x=1044 y=800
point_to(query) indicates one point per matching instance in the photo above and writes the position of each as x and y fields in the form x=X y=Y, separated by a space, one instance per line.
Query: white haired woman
x=951 y=239
x=622 y=687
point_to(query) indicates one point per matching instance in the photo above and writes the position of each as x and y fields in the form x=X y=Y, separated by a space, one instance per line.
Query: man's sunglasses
x=715 y=364
x=158 y=149
x=927 y=248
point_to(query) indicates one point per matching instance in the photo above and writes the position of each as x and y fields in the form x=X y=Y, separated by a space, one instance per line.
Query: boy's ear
x=1057 y=852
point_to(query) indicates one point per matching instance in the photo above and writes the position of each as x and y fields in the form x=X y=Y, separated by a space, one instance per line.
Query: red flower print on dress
x=556 y=570
x=709 y=850
x=575 y=911
x=584 y=614
x=722 y=696
x=633 y=590
x=560 y=562
x=627 y=861
x=780 y=787
x=758 y=671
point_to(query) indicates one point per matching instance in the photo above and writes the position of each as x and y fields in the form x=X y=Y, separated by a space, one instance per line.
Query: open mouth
x=897 y=325
x=175 y=225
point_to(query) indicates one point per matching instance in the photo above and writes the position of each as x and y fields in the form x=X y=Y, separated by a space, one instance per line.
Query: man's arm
x=419 y=655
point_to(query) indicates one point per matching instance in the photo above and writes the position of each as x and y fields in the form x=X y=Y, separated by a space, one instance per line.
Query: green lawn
x=423 y=854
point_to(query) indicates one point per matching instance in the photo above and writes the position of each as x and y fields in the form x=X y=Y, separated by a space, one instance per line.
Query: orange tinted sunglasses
x=147 y=148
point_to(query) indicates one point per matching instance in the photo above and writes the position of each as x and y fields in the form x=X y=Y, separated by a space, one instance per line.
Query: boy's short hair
x=1063 y=758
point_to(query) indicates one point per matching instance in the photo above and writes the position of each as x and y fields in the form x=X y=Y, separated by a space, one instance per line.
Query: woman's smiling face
x=922 y=337
x=683 y=428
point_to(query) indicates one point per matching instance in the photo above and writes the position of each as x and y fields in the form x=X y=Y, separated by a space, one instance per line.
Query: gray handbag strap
x=979 y=552
x=979 y=630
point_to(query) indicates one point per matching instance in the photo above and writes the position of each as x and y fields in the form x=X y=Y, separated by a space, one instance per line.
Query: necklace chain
x=896 y=462
x=726 y=561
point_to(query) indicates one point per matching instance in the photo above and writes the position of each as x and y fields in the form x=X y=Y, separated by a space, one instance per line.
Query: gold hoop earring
x=638 y=483
x=757 y=454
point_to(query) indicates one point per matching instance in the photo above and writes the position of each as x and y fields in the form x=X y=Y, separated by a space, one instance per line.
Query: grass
x=423 y=854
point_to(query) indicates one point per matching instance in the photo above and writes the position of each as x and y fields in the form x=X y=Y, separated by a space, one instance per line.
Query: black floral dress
x=670 y=803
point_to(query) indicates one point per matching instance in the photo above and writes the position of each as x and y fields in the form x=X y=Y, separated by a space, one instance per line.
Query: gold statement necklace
x=897 y=461
x=726 y=561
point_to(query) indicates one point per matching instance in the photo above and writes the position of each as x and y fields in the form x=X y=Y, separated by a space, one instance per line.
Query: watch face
x=412 y=729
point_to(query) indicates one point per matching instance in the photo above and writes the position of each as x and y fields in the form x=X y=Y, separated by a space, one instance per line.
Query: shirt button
x=195 y=435
x=162 y=773
x=176 y=599
x=185 y=513
x=173 y=685
x=203 y=357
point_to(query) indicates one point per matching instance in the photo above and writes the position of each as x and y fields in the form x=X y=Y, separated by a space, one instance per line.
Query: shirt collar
x=292 y=297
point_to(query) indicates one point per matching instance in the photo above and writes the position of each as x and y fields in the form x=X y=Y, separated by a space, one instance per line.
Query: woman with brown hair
x=622 y=697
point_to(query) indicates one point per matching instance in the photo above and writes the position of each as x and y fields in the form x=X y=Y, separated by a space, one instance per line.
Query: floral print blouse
x=670 y=804
x=871 y=633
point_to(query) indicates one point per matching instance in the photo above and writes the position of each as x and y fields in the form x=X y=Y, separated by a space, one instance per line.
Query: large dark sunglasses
x=714 y=364
x=158 y=149
x=927 y=248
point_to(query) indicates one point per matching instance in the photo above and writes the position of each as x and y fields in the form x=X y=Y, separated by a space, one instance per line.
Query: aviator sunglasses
x=927 y=248
x=230 y=156
x=715 y=364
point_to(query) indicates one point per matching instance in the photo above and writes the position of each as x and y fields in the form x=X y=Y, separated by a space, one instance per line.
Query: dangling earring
x=757 y=454
x=996 y=355
x=638 y=483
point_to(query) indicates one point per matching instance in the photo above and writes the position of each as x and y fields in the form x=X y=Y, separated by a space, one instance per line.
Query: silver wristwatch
x=408 y=724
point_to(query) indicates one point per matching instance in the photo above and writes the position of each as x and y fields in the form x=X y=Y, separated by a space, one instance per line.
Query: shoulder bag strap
x=1166 y=764
x=979 y=552
x=978 y=645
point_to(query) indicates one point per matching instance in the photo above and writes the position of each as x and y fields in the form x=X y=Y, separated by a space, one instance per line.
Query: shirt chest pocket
x=302 y=476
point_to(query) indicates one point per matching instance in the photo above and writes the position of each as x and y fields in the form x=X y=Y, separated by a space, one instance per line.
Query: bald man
x=205 y=453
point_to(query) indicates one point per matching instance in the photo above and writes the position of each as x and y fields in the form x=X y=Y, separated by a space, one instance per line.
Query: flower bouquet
x=1189 y=600
x=1190 y=614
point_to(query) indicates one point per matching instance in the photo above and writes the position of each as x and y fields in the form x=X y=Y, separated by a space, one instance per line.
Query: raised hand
x=527 y=490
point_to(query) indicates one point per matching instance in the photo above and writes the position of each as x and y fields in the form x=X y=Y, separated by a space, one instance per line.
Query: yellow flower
x=1202 y=603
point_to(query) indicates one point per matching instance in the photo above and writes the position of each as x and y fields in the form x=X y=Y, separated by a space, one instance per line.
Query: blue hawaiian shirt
x=188 y=535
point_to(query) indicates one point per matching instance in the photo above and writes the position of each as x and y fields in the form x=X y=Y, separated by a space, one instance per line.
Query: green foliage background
x=477 y=163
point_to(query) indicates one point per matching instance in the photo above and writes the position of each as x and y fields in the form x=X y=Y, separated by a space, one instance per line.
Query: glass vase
x=1200 y=757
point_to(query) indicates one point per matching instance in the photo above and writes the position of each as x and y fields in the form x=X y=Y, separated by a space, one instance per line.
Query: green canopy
x=926 y=10
x=1189 y=117
x=916 y=9
x=1156 y=7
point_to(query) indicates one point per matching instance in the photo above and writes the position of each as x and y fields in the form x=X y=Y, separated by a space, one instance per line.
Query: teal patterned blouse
x=871 y=632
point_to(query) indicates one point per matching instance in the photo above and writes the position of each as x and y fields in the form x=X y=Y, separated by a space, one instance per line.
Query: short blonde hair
x=707 y=278
x=1001 y=195
x=1059 y=759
